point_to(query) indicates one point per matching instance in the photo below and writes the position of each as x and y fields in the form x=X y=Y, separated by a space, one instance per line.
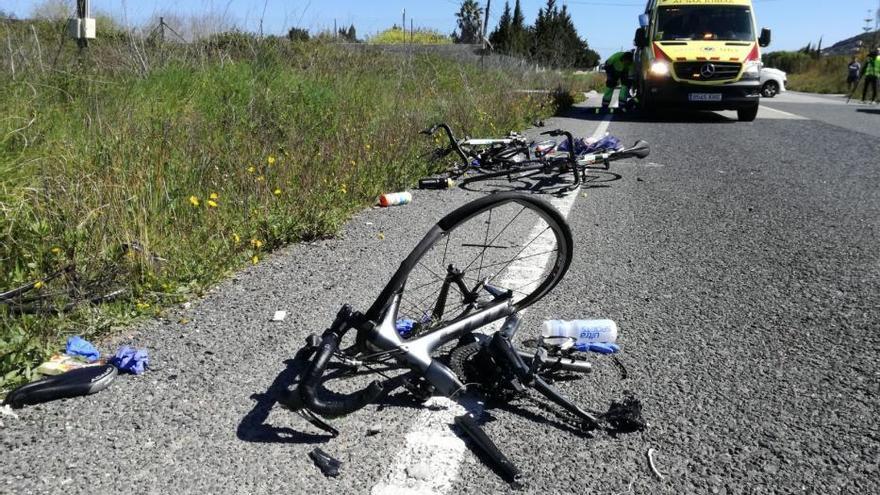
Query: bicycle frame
x=416 y=353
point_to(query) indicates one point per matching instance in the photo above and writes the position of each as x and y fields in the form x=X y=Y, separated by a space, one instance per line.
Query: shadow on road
x=253 y=427
x=543 y=184
x=874 y=111
x=667 y=116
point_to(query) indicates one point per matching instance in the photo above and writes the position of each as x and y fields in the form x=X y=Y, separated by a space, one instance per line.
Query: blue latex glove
x=78 y=346
x=129 y=360
x=599 y=347
x=405 y=327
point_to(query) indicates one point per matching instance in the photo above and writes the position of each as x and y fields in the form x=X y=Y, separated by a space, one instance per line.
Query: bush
x=396 y=35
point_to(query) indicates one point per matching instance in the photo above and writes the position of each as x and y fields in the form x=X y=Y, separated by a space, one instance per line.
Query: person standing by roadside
x=854 y=73
x=871 y=72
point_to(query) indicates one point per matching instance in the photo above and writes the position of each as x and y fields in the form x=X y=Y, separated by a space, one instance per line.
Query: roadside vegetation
x=396 y=35
x=812 y=72
x=141 y=172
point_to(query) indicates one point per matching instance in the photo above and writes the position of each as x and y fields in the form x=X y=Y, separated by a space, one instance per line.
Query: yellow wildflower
x=193 y=200
x=142 y=305
x=212 y=203
x=353 y=163
x=343 y=189
x=56 y=250
x=255 y=259
x=368 y=146
x=38 y=285
x=251 y=169
x=277 y=192
x=235 y=238
x=214 y=196
x=270 y=160
x=261 y=178
x=256 y=243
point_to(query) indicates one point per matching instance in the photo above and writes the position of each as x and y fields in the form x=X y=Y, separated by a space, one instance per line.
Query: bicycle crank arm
x=485 y=444
x=555 y=396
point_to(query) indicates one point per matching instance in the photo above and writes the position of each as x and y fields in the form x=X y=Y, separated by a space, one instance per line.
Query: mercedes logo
x=707 y=71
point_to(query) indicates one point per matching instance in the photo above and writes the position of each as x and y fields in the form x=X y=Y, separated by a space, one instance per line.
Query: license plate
x=705 y=96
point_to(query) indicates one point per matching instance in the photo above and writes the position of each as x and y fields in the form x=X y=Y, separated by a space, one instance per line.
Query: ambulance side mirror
x=764 y=40
x=644 y=20
x=641 y=39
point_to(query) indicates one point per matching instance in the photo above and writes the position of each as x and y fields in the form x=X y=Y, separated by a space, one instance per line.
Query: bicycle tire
x=529 y=246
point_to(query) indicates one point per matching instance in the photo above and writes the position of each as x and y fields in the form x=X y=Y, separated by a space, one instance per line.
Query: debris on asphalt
x=128 y=360
x=7 y=411
x=374 y=430
x=327 y=464
x=624 y=374
x=74 y=383
x=78 y=346
x=279 y=316
x=625 y=416
x=652 y=466
x=436 y=183
x=395 y=199
x=62 y=363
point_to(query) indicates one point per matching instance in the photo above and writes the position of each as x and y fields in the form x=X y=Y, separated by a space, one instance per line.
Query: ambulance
x=699 y=54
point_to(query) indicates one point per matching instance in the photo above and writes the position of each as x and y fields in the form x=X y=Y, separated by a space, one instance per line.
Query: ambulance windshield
x=704 y=23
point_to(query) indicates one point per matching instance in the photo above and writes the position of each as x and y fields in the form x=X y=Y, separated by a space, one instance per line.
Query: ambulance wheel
x=747 y=114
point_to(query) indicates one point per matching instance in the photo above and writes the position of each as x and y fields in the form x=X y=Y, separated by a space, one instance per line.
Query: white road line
x=788 y=115
x=430 y=460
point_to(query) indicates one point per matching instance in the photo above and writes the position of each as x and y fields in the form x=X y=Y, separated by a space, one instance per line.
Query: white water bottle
x=584 y=331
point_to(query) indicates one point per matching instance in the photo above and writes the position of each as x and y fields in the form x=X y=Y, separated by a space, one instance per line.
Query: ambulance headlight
x=752 y=70
x=660 y=68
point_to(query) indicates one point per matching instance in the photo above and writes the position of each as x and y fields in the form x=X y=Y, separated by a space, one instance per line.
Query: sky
x=608 y=25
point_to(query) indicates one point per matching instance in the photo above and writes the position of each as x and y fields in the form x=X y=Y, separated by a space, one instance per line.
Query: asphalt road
x=740 y=261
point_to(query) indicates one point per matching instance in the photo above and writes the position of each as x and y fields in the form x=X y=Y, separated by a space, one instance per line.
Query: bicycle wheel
x=507 y=241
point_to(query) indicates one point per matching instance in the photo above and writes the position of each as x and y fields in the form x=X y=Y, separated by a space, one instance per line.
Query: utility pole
x=162 y=30
x=82 y=28
x=412 y=32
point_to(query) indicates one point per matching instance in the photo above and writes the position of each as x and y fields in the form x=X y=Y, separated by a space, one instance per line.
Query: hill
x=852 y=45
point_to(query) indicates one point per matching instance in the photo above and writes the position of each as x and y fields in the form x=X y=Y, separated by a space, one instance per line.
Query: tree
x=469 y=23
x=520 y=34
x=349 y=35
x=298 y=34
x=500 y=37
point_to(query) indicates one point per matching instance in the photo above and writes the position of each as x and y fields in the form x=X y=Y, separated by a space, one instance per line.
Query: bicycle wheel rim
x=522 y=244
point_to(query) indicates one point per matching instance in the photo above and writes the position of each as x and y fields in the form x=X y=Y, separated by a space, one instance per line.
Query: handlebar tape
x=339 y=404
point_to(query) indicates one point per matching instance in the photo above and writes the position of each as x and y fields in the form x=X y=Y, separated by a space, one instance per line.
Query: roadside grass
x=159 y=170
x=812 y=75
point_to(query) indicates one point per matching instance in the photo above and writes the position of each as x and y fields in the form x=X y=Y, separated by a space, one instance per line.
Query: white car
x=772 y=82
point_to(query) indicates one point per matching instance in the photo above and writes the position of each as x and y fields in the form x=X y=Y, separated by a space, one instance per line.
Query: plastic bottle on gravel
x=395 y=199
x=584 y=331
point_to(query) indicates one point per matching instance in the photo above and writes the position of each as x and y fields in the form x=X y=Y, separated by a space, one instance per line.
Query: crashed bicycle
x=513 y=157
x=464 y=286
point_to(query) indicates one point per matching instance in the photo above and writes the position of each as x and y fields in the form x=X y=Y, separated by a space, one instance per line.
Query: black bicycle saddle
x=81 y=381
